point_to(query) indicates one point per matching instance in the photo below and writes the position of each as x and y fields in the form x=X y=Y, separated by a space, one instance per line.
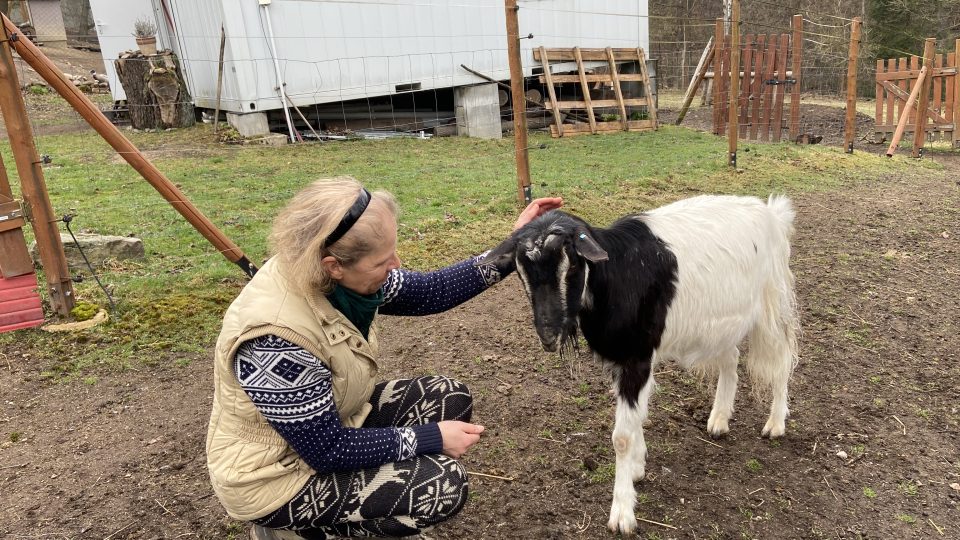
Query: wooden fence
x=770 y=71
x=896 y=78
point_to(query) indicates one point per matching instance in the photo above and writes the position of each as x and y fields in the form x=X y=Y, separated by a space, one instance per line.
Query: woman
x=302 y=441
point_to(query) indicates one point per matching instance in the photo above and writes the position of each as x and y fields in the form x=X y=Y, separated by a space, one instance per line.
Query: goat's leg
x=770 y=361
x=776 y=424
x=630 y=447
x=719 y=421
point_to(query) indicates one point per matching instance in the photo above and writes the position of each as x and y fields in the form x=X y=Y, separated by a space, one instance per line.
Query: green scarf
x=357 y=308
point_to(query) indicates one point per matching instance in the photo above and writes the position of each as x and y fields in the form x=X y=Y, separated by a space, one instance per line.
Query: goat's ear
x=500 y=254
x=587 y=247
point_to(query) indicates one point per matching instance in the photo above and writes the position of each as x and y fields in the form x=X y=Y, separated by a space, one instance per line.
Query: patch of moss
x=83 y=311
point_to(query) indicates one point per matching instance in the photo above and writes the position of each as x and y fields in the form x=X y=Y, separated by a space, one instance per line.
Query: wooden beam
x=648 y=89
x=585 y=86
x=697 y=79
x=850 y=126
x=616 y=88
x=586 y=54
x=32 y=55
x=14 y=258
x=557 y=120
x=519 y=103
x=929 y=50
x=593 y=77
x=33 y=187
x=905 y=113
x=757 y=92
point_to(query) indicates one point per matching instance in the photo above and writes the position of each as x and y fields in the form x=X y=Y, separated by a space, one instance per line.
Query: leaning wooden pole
x=733 y=128
x=850 y=127
x=519 y=102
x=929 y=49
x=905 y=113
x=697 y=79
x=55 y=78
x=34 y=187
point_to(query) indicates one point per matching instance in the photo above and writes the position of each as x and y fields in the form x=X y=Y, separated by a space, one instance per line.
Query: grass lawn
x=457 y=195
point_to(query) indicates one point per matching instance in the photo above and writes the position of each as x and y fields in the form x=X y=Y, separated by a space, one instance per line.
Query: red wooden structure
x=19 y=303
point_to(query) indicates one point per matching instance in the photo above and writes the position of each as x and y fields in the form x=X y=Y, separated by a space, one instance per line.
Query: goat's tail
x=773 y=342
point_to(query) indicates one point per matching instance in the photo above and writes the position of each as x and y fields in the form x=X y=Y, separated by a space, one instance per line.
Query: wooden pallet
x=611 y=76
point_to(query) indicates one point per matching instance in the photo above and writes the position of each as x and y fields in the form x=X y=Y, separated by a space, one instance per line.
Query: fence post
x=33 y=186
x=734 y=116
x=956 y=98
x=929 y=48
x=850 y=130
x=519 y=102
x=717 y=66
x=797 y=57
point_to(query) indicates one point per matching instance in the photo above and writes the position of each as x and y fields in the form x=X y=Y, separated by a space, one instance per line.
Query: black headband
x=351 y=217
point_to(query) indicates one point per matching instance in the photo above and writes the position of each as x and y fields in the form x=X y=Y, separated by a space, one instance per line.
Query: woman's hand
x=458 y=436
x=537 y=208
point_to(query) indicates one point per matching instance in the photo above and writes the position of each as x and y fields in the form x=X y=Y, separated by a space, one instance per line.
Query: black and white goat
x=690 y=282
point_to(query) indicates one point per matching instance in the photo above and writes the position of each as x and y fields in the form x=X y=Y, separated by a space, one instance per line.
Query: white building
x=330 y=51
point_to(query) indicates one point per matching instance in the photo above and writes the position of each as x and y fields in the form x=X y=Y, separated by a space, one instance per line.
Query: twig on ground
x=551 y=440
x=939 y=530
x=901 y=424
x=831 y=489
x=9 y=365
x=118 y=531
x=584 y=523
x=855 y=459
x=756 y=490
x=165 y=509
x=656 y=523
x=814 y=451
x=708 y=442
x=14 y=466
x=507 y=478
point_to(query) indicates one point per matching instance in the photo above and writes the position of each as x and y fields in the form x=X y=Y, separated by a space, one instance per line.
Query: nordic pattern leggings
x=395 y=499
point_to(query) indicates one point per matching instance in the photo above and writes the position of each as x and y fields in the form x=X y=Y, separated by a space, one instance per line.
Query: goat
x=689 y=282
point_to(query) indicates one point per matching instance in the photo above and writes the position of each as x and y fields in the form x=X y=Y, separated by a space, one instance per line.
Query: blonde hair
x=302 y=227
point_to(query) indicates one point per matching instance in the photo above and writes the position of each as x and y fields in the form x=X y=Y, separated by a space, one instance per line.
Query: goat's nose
x=549 y=346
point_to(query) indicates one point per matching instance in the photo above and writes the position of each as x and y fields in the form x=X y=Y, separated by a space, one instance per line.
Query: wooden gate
x=765 y=82
x=896 y=77
x=592 y=105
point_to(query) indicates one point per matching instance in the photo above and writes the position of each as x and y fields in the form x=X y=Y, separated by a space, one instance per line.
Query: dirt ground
x=877 y=278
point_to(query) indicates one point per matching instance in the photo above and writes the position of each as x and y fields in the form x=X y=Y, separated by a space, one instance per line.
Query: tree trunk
x=157 y=95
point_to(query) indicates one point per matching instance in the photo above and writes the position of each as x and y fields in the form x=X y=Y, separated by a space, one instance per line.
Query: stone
x=98 y=249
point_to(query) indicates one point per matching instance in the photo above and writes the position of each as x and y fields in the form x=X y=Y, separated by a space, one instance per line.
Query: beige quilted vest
x=252 y=468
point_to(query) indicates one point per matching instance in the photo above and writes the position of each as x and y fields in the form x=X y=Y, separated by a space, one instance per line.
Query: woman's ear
x=332 y=267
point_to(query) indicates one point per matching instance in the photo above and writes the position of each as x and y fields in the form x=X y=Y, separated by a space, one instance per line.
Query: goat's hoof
x=718 y=426
x=773 y=429
x=623 y=523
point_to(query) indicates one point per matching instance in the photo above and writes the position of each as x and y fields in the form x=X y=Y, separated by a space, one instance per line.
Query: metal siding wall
x=335 y=51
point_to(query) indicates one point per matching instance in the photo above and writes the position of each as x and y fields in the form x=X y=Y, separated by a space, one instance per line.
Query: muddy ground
x=877 y=272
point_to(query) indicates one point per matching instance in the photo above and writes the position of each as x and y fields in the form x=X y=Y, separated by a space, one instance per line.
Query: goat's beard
x=570 y=340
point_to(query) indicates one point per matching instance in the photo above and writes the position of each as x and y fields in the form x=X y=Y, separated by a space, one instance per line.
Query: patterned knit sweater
x=293 y=389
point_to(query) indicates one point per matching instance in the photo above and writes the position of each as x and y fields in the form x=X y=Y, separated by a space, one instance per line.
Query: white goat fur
x=734 y=284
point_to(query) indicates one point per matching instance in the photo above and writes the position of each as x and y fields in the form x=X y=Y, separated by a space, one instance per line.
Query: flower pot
x=148 y=45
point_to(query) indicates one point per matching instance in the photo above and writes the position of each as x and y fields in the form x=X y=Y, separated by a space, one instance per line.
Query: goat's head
x=551 y=255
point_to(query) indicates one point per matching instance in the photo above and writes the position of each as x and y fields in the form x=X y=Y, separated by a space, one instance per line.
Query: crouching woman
x=303 y=441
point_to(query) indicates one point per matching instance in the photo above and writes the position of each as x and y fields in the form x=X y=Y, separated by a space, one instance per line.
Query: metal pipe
x=276 y=66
